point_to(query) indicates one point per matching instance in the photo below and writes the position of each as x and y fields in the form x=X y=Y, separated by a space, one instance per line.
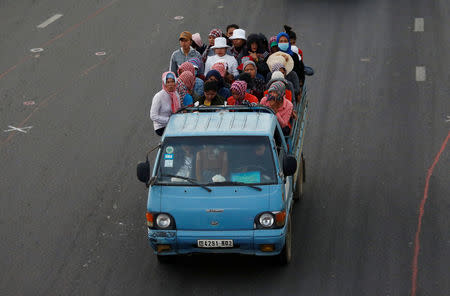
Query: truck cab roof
x=260 y=121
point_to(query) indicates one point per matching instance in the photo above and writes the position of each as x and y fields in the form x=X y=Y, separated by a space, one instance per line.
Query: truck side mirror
x=289 y=165
x=143 y=171
x=309 y=71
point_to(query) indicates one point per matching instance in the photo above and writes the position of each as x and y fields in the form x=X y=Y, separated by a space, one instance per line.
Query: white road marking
x=19 y=129
x=29 y=103
x=421 y=74
x=36 y=50
x=365 y=59
x=49 y=21
x=419 y=24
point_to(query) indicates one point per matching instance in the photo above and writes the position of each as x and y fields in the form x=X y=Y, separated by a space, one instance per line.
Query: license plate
x=215 y=243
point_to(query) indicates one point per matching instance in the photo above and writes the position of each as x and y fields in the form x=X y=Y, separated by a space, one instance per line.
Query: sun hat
x=281 y=57
x=238 y=34
x=197 y=39
x=220 y=42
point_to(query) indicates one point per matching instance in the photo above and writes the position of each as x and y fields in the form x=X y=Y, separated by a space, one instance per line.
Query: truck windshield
x=216 y=161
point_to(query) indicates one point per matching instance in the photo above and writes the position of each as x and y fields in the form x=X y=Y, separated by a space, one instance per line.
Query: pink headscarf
x=186 y=66
x=240 y=87
x=185 y=84
x=188 y=79
x=173 y=94
x=219 y=67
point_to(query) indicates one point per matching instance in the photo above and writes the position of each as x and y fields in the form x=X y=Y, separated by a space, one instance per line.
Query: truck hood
x=225 y=208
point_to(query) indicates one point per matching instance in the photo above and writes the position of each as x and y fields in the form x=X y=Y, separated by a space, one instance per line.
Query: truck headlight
x=163 y=221
x=270 y=220
x=266 y=220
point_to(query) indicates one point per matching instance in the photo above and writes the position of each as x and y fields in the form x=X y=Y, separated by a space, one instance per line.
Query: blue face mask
x=283 y=46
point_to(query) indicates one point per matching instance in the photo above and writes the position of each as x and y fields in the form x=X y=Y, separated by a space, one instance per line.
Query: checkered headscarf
x=215 y=33
x=240 y=87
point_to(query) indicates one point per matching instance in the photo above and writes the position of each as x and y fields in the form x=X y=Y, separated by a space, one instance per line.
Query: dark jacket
x=299 y=68
x=217 y=100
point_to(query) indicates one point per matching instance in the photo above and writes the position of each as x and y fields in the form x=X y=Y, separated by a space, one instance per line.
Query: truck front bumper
x=249 y=242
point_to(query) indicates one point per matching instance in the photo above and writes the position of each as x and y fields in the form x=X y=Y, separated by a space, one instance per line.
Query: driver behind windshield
x=255 y=160
x=212 y=164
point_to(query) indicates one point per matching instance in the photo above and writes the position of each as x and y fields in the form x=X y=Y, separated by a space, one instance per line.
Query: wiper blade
x=236 y=183
x=190 y=180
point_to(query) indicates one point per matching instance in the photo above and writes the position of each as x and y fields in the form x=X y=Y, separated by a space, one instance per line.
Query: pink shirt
x=284 y=112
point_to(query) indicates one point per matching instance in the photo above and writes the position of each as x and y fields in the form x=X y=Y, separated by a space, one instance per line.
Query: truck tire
x=286 y=254
x=298 y=193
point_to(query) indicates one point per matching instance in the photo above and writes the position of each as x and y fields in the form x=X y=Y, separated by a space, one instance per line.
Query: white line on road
x=19 y=129
x=419 y=24
x=49 y=21
x=421 y=74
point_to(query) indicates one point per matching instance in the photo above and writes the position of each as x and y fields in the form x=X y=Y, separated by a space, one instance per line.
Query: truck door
x=282 y=152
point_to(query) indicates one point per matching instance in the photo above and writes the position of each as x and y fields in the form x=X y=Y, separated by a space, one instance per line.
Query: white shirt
x=231 y=63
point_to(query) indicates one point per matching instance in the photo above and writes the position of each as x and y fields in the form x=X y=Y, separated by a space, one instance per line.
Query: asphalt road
x=72 y=212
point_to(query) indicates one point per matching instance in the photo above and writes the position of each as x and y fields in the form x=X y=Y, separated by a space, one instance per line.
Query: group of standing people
x=232 y=69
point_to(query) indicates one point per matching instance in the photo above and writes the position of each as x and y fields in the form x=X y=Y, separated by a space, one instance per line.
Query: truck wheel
x=298 y=193
x=166 y=259
x=286 y=254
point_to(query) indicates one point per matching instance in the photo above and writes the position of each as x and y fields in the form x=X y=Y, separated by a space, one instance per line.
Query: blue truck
x=224 y=180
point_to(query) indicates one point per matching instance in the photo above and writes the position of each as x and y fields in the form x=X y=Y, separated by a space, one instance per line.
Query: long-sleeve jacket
x=284 y=112
x=178 y=57
x=161 y=109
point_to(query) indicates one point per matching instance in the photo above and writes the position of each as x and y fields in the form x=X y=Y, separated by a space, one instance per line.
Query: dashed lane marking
x=419 y=24
x=49 y=21
x=46 y=44
x=421 y=74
